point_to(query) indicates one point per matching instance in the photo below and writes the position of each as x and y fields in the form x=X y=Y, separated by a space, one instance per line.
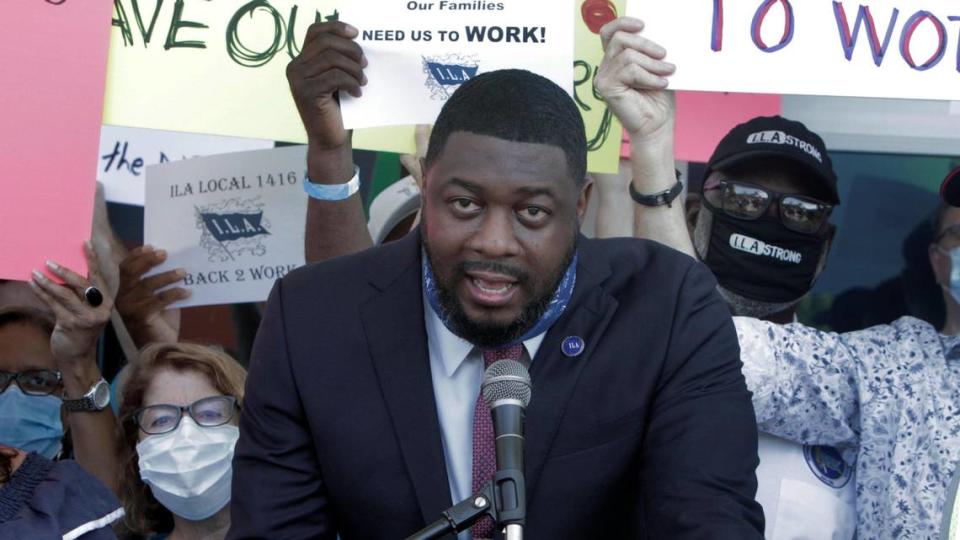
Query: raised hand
x=330 y=61
x=142 y=303
x=79 y=324
x=633 y=79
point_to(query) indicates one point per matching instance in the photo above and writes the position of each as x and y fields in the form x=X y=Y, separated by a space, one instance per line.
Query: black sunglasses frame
x=772 y=196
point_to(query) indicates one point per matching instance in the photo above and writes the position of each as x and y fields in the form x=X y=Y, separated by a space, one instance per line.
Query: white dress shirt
x=456 y=368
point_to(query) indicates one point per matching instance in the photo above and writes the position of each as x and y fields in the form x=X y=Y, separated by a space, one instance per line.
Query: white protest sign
x=420 y=52
x=125 y=154
x=866 y=48
x=234 y=222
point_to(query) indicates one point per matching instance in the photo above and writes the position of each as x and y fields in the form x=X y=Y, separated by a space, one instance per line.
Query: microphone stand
x=486 y=502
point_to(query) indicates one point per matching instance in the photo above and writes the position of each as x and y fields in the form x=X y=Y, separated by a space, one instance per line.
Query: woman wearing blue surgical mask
x=30 y=387
x=180 y=410
x=49 y=385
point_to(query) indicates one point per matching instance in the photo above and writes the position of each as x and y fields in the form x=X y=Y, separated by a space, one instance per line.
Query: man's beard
x=486 y=334
x=740 y=305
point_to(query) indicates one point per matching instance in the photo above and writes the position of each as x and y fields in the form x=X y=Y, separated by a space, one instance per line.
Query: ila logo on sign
x=446 y=73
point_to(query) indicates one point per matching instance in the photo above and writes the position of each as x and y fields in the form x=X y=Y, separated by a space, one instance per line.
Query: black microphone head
x=506 y=381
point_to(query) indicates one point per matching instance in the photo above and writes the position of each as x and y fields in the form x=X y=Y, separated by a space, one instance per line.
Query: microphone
x=506 y=389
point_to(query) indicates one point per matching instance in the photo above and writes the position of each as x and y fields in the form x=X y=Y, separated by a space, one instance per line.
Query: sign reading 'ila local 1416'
x=233 y=222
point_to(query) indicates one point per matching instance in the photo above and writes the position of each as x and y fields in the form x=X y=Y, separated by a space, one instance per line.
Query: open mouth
x=490 y=289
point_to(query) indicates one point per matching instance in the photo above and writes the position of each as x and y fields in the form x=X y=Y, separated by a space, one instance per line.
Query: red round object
x=597 y=13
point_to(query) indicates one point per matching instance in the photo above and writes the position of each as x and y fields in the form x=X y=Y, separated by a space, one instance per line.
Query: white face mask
x=189 y=470
x=954 y=288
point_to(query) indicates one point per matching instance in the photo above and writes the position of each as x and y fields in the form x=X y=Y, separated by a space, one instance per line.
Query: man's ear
x=424 y=173
x=583 y=201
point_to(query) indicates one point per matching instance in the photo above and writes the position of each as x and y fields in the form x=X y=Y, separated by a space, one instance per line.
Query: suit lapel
x=554 y=374
x=394 y=327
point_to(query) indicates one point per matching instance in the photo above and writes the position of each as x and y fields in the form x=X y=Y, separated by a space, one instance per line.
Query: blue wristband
x=333 y=192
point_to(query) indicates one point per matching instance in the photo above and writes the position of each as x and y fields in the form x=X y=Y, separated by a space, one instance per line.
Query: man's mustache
x=492 y=266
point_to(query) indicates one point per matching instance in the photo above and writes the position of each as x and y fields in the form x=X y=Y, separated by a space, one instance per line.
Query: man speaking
x=362 y=416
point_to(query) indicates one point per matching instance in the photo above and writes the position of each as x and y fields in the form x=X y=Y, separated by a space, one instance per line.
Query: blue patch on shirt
x=828 y=465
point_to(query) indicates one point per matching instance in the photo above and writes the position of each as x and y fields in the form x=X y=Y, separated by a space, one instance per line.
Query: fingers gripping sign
x=78 y=322
x=633 y=78
x=143 y=302
x=330 y=62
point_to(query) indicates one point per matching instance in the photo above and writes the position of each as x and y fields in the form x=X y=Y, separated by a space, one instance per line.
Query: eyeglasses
x=952 y=231
x=746 y=201
x=33 y=382
x=206 y=412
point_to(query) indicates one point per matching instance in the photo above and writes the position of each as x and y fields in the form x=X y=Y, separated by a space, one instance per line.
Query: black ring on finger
x=93 y=295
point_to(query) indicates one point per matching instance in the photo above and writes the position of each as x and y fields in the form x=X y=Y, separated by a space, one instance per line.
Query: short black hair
x=515 y=105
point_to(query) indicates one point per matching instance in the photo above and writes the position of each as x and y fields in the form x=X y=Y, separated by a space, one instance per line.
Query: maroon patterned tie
x=484 y=451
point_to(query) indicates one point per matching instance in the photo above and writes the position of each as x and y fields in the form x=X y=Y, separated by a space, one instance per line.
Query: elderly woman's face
x=178 y=387
x=24 y=346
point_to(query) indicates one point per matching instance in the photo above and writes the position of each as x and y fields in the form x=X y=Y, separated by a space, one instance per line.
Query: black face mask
x=762 y=260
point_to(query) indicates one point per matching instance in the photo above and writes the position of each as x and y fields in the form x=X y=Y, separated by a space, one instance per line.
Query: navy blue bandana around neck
x=558 y=303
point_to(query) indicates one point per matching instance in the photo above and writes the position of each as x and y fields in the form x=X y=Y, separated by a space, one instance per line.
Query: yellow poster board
x=219 y=67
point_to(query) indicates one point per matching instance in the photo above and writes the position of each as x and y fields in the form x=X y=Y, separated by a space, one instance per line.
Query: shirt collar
x=453 y=349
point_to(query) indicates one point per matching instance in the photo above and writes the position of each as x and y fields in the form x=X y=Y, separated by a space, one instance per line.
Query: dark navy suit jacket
x=649 y=433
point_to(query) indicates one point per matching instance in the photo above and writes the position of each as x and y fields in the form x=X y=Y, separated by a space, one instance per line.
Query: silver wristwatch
x=96 y=399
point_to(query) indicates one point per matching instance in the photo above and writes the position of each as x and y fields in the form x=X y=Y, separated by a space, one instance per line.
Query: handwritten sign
x=208 y=67
x=125 y=154
x=865 y=48
x=603 y=129
x=51 y=96
x=420 y=52
x=234 y=222
x=219 y=68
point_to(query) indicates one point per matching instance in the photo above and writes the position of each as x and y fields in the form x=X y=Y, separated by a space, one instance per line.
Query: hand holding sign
x=330 y=62
x=632 y=79
x=79 y=323
x=142 y=303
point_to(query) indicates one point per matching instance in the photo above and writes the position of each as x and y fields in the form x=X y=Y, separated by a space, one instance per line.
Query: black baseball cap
x=950 y=188
x=775 y=136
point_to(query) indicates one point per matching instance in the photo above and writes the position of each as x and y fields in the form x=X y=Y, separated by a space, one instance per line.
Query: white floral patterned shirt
x=888 y=397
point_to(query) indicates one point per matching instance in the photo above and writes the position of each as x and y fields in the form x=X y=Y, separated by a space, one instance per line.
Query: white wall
x=898 y=126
